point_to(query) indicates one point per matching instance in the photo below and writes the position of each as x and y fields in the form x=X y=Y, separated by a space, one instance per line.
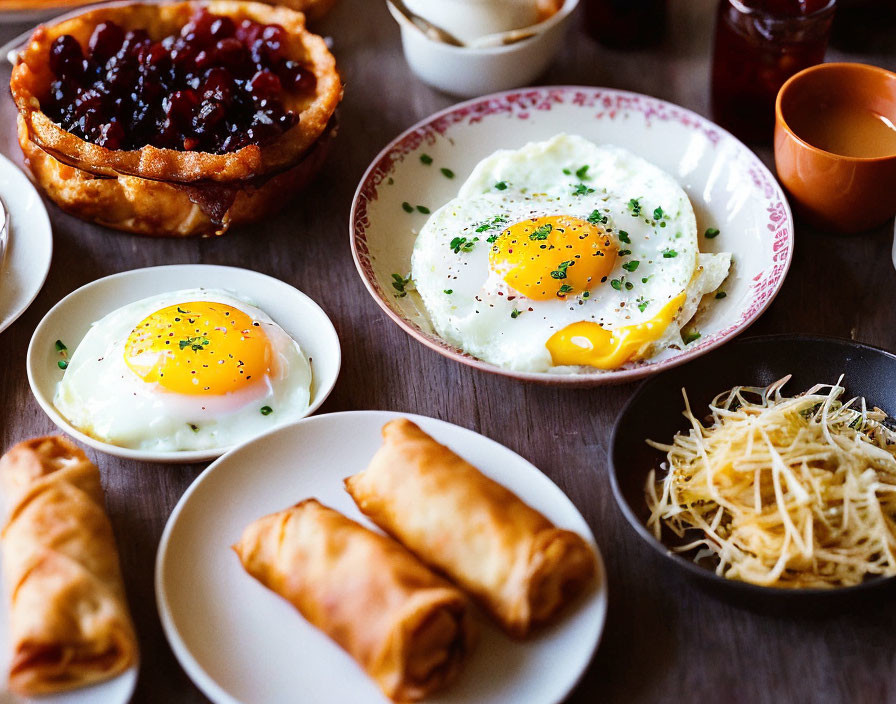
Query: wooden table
x=665 y=639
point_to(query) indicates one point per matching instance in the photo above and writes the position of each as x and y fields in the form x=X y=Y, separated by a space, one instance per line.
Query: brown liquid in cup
x=847 y=130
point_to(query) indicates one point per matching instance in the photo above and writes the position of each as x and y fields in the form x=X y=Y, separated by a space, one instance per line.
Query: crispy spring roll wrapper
x=408 y=628
x=513 y=560
x=69 y=620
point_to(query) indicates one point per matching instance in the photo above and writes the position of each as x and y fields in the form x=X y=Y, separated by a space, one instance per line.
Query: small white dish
x=236 y=639
x=71 y=318
x=471 y=71
x=728 y=186
x=29 y=249
x=468 y=20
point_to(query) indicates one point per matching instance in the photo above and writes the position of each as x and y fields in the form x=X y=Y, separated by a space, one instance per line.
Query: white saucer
x=237 y=640
x=30 y=246
x=71 y=318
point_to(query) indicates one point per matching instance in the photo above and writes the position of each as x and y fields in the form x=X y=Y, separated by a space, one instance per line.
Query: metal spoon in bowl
x=424 y=25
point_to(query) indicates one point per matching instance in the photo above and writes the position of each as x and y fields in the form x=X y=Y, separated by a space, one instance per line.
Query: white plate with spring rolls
x=241 y=642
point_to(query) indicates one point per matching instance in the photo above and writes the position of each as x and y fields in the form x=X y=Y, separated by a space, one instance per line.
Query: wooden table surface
x=665 y=639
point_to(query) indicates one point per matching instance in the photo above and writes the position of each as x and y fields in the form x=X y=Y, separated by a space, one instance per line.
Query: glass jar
x=759 y=44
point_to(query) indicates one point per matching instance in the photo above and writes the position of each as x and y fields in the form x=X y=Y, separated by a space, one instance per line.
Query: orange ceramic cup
x=835 y=145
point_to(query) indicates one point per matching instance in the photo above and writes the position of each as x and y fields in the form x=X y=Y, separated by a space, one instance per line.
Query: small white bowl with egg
x=178 y=364
x=477 y=69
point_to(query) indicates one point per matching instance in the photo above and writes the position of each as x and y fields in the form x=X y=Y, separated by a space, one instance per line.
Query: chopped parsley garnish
x=582 y=190
x=491 y=238
x=462 y=244
x=426 y=159
x=632 y=265
x=617 y=284
x=408 y=208
x=423 y=209
x=399 y=283
x=492 y=224
x=449 y=291
x=560 y=271
x=689 y=336
x=658 y=214
x=582 y=173
x=501 y=185
x=60 y=347
x=541 y=233
x=645 y=279
x=623 y=237
x=194 y=343
x=721 y=294
x=266 y=410
x=596 y=218
x=447 y=173
x=567 y=172
x=624 y=252
x=711 y=233
x=586 y=294
x=62 y=364
x=515 y=314
x=635 y=206
x=669 y=254
x=564 y=289
x=642 y=303
x=629 y=285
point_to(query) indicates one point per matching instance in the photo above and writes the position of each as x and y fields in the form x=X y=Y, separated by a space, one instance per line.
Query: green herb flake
x=642 y=304
x=62 y=364
x=690 y=336
x=711 y=233
x=582 y=173
x=194 y=343
x=623 y=237
x=617 y=284
x=408 y=208
x=447 y=173
x=462 y=244
x=399 y=283
x=629 y=285
x=624 y=252
x=501 y=185
x=631 y=266
x=560 y=271
x=449 y=291
x=423 y=209
x=586 y=294
x=721 y=294
x=596 y=218
x=60 y=347
x=426 y=159
x=266 y=410
x=567 y=172
x=193 y=427
x=491 y=224
x=658 y=214
x=541 y=233
x=564 y=289
x=669 y=254
x=635 y=206
x=515 y=314
x=582 y=190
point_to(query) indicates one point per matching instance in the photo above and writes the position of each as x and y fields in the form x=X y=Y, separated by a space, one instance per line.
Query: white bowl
x=470 y=71
x=71 y=318
x=727 y=184
x=469 y=20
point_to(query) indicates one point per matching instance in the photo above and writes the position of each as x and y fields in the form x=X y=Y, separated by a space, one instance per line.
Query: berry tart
x=175 y=119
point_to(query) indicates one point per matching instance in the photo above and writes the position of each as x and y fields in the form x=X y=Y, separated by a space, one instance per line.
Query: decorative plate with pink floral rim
x=729 y=187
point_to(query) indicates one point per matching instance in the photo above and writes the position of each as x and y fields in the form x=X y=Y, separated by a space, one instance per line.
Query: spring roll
x=519 y=566
x=408 y=628
x=68 y=616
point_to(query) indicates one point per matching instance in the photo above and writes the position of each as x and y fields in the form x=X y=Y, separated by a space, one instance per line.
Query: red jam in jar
x=759 y=44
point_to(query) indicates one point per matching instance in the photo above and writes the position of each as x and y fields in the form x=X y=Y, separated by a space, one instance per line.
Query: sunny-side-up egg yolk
x=550 y=256
x=199 y=348
x=588 y=344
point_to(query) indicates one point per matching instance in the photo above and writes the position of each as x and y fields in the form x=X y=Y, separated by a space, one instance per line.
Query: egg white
x=474 y=309
x=102 y=397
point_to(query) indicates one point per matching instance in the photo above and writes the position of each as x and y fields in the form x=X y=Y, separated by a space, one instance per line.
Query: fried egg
x=564 y=256
x=189 y=370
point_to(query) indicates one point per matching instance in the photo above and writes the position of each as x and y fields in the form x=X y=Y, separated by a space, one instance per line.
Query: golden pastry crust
x=408 y=628
x=142 y=190
x=69 y=622
x=313 y=9
x=513 y=560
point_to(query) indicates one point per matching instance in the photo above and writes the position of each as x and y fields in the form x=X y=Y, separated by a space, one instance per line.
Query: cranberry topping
x=215 y=87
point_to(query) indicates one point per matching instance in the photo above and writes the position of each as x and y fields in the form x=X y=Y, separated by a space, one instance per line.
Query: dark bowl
x=655 y=412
